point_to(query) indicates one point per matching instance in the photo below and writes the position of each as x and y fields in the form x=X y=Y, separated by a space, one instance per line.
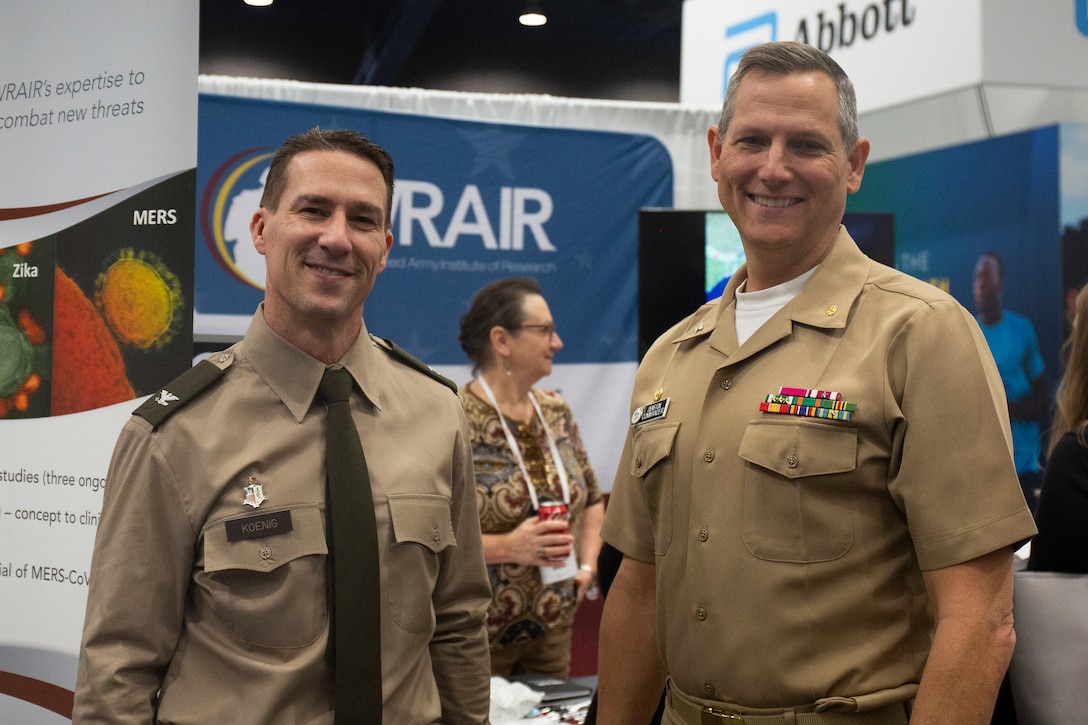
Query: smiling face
x=324 y=245
x=782 y=172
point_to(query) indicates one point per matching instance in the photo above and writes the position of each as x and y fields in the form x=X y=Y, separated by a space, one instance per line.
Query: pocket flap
x=651 y=445
x=306 y=537
x=800 y=448
x=422 y=519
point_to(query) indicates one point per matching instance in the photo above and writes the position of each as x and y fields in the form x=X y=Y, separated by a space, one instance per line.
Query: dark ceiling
x=616 y=49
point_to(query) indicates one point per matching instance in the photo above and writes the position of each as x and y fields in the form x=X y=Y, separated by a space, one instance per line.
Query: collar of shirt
x=294 y=376
x=824 y=301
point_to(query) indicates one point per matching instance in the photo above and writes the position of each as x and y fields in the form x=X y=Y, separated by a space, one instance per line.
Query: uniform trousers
x=548 y=655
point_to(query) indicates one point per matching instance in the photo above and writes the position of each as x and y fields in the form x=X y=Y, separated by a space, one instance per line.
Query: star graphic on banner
x=493 y=148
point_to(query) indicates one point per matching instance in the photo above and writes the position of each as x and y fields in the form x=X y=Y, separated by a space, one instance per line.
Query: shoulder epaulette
x=416 y=364
x=183 y=389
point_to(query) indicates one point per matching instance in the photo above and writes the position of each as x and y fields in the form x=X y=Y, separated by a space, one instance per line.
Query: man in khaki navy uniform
x=816 y=501
x=189 y=624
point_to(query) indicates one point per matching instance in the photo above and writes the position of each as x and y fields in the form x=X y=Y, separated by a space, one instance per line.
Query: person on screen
x=211 y=588
x=529 y=459
x=816 y=501
x=1015 y=348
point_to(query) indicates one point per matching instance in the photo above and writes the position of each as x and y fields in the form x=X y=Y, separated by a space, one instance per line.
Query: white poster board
x=97 y=115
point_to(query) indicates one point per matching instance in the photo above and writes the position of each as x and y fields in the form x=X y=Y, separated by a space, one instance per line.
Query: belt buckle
x=723 y=715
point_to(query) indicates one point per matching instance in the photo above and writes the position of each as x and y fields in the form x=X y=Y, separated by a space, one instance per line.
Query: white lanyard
x=516 y=450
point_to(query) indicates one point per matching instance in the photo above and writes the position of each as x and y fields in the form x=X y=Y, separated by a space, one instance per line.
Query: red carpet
x=583 y=648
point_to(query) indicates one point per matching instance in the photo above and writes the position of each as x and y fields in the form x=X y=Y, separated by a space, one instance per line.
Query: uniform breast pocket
x=798 y=493
x=269 y=590
x=651 y=462
x=422 y=528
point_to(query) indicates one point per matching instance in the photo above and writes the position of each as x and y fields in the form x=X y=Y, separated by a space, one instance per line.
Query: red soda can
x=553 y=511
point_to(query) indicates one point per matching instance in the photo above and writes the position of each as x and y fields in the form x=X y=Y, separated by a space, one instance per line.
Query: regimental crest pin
x=254 y=493
x=165 y=397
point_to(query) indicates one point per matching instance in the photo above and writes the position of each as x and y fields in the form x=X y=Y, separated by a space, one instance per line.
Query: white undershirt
x=755 y=308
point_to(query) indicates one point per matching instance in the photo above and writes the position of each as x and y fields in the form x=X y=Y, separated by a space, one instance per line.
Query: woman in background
x=527 y=454
x=1062 y=514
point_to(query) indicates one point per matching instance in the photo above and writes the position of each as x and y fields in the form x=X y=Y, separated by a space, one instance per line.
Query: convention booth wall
x=488 y=186
x=597 y=163
x=1023 y=195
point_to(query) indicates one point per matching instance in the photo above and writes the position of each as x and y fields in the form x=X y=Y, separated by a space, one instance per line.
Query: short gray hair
x=785 y=58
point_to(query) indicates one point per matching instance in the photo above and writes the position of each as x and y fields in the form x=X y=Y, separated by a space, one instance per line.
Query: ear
x=856 y=159
x=714 y=141
x=500 y=340
x=256 y=230
x=388 y=248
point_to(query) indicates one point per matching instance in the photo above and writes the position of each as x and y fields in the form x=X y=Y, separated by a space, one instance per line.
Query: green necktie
x=353 y=549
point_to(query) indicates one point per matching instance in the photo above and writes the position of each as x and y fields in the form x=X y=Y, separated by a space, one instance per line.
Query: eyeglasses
x=544 y=330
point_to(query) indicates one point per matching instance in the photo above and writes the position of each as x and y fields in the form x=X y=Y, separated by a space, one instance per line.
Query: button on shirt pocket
x=269 y=591
x=798 y=494
x=422 y=528
x=652 y=446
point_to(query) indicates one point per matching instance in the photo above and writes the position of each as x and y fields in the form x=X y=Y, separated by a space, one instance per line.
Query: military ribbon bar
x=810 y=393
x=814 y=402
x=808 y=411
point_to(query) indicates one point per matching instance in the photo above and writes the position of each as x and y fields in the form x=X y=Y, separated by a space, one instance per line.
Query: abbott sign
x=895 y=51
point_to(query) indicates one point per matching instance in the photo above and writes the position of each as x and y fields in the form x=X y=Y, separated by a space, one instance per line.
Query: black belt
x=693 y=713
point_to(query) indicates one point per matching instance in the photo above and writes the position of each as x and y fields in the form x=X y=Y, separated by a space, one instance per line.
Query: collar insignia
x=165 y=397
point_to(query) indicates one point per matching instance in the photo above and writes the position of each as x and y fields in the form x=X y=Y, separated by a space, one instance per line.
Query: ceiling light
x=258 y=3
x=533 y=15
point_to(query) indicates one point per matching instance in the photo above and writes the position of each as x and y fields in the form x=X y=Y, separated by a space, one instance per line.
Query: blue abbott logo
x=1082 y=16
x=748 y=33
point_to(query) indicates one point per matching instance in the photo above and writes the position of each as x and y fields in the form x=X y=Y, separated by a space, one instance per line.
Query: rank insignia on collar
x=165 y=397
x=254 y=493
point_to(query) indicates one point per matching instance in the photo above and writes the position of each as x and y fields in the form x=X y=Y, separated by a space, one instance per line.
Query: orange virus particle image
x=140 y=299
x=88 y=370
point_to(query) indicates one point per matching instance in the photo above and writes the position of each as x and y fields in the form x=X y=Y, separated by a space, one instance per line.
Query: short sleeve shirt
x=788 y=549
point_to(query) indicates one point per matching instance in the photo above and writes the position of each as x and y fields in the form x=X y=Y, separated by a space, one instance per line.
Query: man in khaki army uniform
x=816 y=501
x=208 y=599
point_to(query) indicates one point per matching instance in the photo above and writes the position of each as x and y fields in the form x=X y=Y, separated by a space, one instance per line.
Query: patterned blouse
x=522 y=607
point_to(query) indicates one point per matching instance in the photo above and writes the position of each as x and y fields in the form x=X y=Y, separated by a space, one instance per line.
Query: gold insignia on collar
x=658 y=394
x=831 y=310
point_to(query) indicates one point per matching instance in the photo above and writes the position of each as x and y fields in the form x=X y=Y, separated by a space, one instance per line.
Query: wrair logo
x=511 y=219
x=1082 y=16
x=231 y=196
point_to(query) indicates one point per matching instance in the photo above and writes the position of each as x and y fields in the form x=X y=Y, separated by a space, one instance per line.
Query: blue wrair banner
x=473 y=202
